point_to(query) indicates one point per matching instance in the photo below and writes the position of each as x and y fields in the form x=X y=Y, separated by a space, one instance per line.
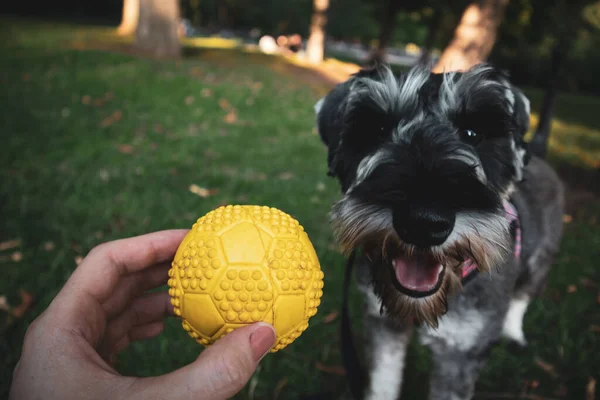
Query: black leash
x=349 y=353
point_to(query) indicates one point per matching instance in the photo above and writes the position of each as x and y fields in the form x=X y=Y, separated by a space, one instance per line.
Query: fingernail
x=261 y=340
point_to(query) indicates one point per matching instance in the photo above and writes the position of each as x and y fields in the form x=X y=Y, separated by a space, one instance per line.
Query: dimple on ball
x=243 y=264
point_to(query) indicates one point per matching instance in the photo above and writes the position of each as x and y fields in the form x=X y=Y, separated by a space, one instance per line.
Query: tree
x=388 y=24
x=474 y=37
x=563 y=19
x=129 y=18
x=433 y=27
x=157 y=32
x=315 y=46
x=539 y=143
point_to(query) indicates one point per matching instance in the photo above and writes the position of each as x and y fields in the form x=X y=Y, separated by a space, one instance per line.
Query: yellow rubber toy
x=243 y=264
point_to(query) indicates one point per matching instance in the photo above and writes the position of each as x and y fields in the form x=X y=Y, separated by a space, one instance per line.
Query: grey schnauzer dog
x=455 y=224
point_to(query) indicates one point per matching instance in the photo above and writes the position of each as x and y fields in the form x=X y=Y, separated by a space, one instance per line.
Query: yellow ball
x=243 y=264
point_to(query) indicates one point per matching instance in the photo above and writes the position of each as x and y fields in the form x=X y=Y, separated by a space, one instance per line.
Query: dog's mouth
x=417 y=275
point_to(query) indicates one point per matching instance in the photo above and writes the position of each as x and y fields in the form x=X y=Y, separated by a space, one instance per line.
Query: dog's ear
x=353 y=117
x=330 y=112
x=521 y=112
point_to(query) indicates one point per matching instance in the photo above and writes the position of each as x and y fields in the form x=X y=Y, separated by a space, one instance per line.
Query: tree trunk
x=432 y=32
x=474 y=37
x=315 y=46
x=129 y=19
x=157 y=31
x=539 y=143
x=388 y=24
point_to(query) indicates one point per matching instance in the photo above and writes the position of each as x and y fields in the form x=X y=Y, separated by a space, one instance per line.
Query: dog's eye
x=470 y=136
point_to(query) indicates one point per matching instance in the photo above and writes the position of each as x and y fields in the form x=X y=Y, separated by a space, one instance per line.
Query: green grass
x=100 y=145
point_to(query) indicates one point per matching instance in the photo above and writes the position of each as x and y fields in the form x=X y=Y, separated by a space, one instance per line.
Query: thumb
x=222 y=370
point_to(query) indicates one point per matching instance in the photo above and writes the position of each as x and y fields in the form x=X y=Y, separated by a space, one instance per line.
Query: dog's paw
x=513 y=322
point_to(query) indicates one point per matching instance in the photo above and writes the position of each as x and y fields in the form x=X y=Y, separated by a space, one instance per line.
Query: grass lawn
x=101 y=145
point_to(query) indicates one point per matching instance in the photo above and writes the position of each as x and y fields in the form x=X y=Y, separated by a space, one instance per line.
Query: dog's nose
x=423 y=227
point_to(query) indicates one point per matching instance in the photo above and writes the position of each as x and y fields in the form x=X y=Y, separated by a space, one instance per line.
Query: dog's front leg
x=454 y=375
x=387 y=345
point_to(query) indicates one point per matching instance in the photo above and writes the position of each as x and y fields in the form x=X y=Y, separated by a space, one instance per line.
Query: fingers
x=80 y=305
x=133 y=285
x=220 y=372
x=133 y=323
x=147 y=331
x=136 y=333
x=102 y=269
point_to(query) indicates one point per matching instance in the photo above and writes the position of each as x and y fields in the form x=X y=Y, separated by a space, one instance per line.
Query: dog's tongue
x=419 y=273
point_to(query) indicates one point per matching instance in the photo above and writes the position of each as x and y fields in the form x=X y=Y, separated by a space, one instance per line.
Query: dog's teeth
x=394 y=263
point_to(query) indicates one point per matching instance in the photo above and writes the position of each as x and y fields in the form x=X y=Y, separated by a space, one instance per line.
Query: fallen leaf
x=206 y=92
x=26 y=302
x=595 y=328
x=279 y=387
x=4 y=304
x=78 y=260
x=286 y=176
x=546 y=367
x=10 y=244
x=329 y=318
x=86 y=100
x=189 y=100
x=158 y=128
x=49 y=246
x=16 y=256
x=26 y=77
x=571 y=288
x=231 y=117
x=321 y=187
x=112 y=119
x=598 y=298
x=331 y=369
x=567 y=219
x=590 y=389
x=534 y=384
x=125 y=149
x=202 y=192
x=224 y=104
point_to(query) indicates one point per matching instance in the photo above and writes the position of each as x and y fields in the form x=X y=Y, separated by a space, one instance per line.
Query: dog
x=455 y=223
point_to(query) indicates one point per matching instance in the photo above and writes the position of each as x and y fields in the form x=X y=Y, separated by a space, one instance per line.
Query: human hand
x=68 y=350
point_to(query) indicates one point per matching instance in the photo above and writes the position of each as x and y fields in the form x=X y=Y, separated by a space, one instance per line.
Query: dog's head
x=425 y=162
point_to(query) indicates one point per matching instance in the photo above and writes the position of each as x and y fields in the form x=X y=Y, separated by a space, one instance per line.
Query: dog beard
x=478 y=237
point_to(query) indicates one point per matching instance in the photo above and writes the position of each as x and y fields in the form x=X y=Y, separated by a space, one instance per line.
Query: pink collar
x=469 y=267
